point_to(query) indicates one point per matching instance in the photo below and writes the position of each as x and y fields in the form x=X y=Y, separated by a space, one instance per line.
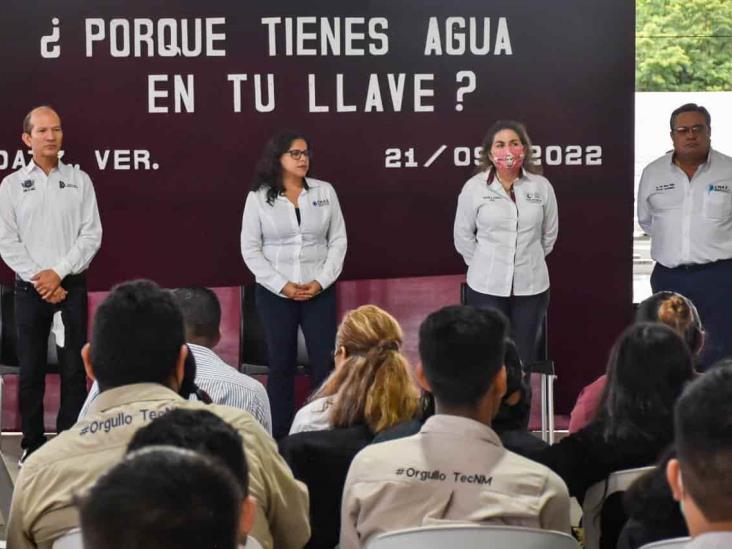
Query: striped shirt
x=224 y=385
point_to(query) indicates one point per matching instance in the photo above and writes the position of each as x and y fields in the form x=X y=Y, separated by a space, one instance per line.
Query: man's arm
x=12 y=249
x=89 y=238
x=283 y=513
x=644 y=211
x=18 y=537
x=349 y=513
x=264 y=412
x=289 y=510
x=555 y=505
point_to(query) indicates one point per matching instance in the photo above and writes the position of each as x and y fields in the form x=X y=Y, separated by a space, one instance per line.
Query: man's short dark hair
x=162 y=498
x=201 y=310
x=137 y=335
x=462 y=350
x=201 y=431
x=690 y=107
x=703 y=424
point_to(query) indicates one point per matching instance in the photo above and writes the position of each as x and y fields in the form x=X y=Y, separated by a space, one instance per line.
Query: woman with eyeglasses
x=506 y=223
x=293 y=240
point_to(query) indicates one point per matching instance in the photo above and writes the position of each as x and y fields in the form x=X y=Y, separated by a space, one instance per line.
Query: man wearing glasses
x=685 y=206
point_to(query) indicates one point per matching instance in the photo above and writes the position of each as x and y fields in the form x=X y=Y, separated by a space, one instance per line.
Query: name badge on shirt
x=28 y=185
x=321 y=202
x=665 y=187
x=718 y=188
x=493 y=196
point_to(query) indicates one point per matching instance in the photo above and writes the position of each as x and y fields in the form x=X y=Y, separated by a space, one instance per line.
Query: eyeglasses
x=695 y=130
x=297 y=154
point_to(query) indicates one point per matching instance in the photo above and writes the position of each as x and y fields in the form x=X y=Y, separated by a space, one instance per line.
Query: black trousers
x=280 y=318
x=709 y=287
x=526 y=313
x=33 y=318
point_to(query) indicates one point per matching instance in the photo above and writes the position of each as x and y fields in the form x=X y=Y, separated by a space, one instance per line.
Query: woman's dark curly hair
x=268 y=173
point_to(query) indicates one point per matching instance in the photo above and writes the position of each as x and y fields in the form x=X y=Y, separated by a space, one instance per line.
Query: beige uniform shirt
x=42 y=507
x=454 y=470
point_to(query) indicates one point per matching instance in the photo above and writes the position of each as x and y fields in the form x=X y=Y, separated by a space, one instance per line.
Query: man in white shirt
x=455 y=469
x=701 y=475
x=202 y=318
x=685 y=205
x=49 y=232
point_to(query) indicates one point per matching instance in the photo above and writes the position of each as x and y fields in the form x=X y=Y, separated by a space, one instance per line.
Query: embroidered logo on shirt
x=62 y=185
x=457 y=476
x=665 y=187
x=534 y=198
x=28 y=185
x=321 y=202
x=718 y=188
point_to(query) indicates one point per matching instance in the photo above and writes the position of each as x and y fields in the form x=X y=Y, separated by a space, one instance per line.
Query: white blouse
x=314 y=416
x=279 y=250
x=504 y=243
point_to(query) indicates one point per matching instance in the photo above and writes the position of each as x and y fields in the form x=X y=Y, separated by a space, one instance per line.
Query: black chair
x=543 y=368
x=253 y=350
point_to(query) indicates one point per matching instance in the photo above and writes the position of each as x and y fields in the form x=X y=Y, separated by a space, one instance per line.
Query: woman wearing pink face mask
x=505 y=225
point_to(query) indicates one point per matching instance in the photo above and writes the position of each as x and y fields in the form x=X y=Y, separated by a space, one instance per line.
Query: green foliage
x=683 y=45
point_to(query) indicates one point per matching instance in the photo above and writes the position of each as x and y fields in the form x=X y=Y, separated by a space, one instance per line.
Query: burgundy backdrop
x=566 y=68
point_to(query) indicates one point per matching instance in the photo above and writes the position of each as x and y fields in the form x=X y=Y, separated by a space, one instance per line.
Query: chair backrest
x=253 y=345
x=474 y=537
x=619 y=481
x=70 y=540
x=675 y=543
x=73 y=540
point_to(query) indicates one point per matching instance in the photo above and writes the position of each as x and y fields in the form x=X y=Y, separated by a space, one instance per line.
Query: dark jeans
x=526 y=313
x=33 y=319
x=280 y=318
x=709 y=287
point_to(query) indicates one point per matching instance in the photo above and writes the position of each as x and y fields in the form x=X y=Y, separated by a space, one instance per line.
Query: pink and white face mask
x=509 y=158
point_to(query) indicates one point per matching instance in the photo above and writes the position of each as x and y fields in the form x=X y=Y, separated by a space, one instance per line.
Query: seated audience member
x=510 y=422
x=648 y=368
x=370 y=383
x=208 y=434
x=163 y=498
x=669 y=308
x=223 y=384
x=455 y=469
x=137 y=354
x=369 y=391
x=653 y=515
x=701 y=475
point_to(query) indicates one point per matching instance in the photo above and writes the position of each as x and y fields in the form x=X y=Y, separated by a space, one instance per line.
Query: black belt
x=694 y=267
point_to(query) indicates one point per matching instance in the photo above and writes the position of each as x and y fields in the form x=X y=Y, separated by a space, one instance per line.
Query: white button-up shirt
x=279 y=250
x=688 y=221
x=48 y=221
x=504 y=243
